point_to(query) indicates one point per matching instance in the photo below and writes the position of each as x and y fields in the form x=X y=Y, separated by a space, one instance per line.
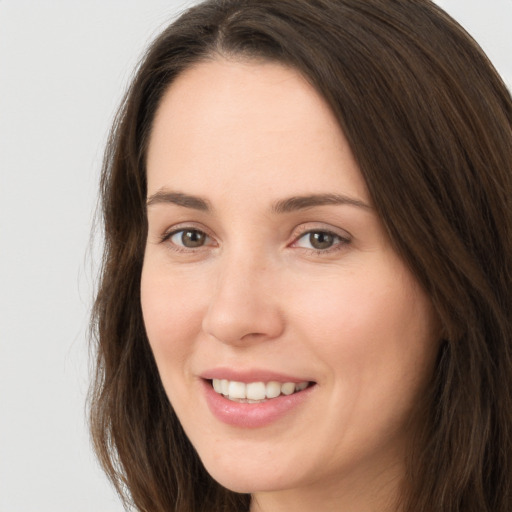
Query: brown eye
x=321 y=240
x=189 y=238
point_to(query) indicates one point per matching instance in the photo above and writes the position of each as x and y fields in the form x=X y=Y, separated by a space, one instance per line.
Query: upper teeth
x=255 y=390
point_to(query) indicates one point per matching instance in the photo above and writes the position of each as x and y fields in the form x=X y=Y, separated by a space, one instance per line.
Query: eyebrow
x=180 y=199
x=309 y=201
x=282 y=206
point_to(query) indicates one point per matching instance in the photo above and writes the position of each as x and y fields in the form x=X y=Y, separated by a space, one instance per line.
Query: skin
x=256 y=294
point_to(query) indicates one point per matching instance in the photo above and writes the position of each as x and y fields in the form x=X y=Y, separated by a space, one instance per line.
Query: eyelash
x=179 y=248
x=339 y=243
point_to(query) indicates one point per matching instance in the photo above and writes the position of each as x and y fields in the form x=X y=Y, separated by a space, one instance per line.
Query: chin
x=247 y=480
x=246 y=484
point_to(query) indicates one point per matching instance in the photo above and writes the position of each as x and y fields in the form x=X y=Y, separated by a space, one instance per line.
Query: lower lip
x=252 y=415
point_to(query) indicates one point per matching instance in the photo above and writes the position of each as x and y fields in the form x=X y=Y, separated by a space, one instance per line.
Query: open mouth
x=256 y=392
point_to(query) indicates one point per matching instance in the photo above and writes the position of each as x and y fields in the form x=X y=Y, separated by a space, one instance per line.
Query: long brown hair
x=430 y=124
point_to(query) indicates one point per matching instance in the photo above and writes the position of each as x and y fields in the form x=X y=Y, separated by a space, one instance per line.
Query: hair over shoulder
x=429 y=122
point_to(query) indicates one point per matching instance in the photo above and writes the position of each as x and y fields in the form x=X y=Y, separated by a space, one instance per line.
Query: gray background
x=63 y=68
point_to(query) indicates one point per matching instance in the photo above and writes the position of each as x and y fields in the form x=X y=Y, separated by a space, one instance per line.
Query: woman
x=305 y=302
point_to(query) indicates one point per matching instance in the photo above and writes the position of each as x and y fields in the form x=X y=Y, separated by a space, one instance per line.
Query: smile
x=254 y=403
x=255 y=392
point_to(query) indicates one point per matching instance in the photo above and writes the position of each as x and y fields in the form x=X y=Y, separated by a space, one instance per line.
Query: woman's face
x=267 y=270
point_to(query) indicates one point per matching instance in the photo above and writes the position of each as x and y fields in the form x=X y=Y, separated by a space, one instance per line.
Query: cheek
x=172 y=315
x=375 y=331
x=351 y=313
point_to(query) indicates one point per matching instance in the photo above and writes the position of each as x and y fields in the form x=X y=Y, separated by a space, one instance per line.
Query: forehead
x=225 y=121
x=226 y=90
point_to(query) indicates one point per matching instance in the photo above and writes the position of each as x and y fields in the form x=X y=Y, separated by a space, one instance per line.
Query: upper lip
x=252 y=375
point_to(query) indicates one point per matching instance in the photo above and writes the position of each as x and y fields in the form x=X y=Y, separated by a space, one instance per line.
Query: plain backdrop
x=64 y=66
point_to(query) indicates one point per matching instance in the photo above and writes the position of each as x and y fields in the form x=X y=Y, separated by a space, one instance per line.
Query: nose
x=244 y=306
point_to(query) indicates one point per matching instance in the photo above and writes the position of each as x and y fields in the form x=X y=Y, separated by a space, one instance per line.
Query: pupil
x=193 y=238
x=321 y=240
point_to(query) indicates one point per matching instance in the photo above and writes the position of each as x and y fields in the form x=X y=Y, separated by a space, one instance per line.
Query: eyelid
x=313 y=227
x=184 y=226
x=180 y=226
x=344 y=238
